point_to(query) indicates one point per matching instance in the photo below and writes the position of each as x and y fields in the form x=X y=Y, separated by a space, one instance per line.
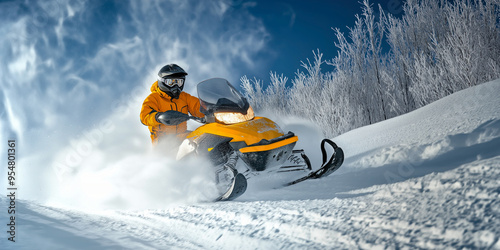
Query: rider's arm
x=194 y=106
x=149 y=110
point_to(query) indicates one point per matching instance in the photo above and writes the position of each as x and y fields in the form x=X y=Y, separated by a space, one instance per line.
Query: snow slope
x=427 y=179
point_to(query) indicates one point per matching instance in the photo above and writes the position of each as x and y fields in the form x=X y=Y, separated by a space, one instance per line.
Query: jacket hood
x=156 y=89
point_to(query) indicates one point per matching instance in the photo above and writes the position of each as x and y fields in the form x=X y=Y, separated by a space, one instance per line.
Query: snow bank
x=428 y=179
x=464 y=119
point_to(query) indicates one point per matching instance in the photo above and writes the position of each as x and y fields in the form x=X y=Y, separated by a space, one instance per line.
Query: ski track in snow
x=435 y=211
x=427 y=179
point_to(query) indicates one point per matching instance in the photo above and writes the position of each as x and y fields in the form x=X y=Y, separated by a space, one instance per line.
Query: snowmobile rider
x=165 y=110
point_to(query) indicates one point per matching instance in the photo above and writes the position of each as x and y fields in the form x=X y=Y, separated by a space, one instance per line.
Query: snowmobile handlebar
x=198 y=119
x=174 y=118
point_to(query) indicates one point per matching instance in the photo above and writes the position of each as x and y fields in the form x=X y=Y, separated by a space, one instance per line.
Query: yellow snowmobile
x=243 y=146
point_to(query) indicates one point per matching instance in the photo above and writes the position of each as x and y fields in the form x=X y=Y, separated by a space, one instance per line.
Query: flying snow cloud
x=74 y=75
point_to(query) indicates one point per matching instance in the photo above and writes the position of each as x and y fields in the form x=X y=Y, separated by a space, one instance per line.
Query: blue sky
x=290 y=29
x=98 y=51
x=298 y=27
x=69 y=66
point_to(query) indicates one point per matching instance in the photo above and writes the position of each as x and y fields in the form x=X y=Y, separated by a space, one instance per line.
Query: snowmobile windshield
x=218 y=95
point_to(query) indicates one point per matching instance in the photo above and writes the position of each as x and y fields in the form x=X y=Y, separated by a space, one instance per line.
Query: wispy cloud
x=290 y=13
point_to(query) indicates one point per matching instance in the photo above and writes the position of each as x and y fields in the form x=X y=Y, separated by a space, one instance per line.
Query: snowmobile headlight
x=234 y=117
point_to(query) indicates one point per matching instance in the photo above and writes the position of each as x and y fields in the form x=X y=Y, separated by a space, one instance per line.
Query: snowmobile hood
x=250 y=132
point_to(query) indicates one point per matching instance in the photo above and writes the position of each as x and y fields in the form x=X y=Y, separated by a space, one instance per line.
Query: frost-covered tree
x=443 y=47
x=306 y=89
x=436 y=48
x=254 y=92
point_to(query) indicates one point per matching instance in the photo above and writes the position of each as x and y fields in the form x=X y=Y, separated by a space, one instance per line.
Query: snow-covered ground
x=427 y=179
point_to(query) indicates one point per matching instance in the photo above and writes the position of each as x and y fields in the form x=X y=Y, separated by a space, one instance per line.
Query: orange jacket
x=159 y=101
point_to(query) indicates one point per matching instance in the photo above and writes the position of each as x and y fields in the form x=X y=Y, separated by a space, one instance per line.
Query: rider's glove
x=171 y=117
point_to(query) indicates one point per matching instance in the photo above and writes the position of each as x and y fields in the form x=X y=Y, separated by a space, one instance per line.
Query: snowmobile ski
x=328 y=167
x=237 y=188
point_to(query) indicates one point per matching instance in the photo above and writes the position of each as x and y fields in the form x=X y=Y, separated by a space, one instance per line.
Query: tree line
x=387 y=66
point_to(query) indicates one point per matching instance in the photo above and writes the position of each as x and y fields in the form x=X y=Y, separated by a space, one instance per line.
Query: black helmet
x=171 y=71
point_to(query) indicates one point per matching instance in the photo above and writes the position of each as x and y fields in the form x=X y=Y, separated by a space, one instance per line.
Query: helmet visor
x=172 y=82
